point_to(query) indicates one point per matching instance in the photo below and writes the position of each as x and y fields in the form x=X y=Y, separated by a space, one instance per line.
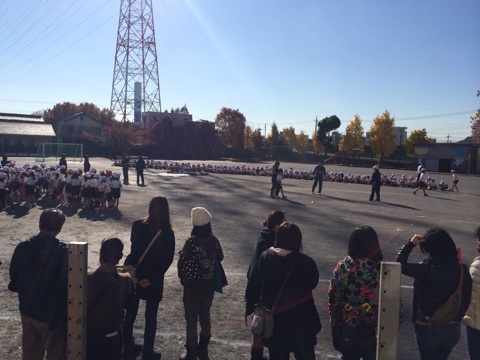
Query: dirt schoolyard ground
x=239 y=204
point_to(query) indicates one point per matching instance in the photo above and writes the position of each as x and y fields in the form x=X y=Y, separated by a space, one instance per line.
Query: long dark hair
x=275 y=218
x=288 y=237
x=158 y=214
x=363 y=244
x=438 y=243
x=202 y=231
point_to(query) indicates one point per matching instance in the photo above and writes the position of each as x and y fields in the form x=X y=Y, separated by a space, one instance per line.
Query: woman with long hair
x=435 y=279
x=198 y=294
x=353 y=296
x=150 y=272
x=252 y=292
x=296 y=320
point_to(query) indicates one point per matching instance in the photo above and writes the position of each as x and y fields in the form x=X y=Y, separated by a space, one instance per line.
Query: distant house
x=72 y=129
x=21 y=134
x=151 y=119
x=463 y=157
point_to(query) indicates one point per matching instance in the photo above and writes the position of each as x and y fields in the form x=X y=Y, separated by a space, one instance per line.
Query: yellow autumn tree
x=302 y=142
x=352 y=143
x=318 y=147
x=289 y=137
x=382 y=136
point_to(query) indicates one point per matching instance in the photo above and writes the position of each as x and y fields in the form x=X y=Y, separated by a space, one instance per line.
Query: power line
x=62 y=51
x=21 y=21
x=52 y=24
x=10 y=17
x=65 y=34
x=34 y=23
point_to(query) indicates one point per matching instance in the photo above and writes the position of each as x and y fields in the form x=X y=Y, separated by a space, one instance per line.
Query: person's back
x=38 y=272
x=63 y=161
x=109 y=293
x=38 y=278
x=140 y=164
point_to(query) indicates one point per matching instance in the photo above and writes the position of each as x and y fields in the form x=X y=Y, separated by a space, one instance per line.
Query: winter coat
x=436 y=278
x=472 y=317
x=353 y=292
x=295 y=316
x=210 y=251
x=38 y=272
x=376 y=179
x=140 y=165
x=319 y=172
x=109 y=293
x=156 y=262
x=253 y=290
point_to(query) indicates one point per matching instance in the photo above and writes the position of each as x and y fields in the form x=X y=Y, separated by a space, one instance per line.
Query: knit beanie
x=200 y=216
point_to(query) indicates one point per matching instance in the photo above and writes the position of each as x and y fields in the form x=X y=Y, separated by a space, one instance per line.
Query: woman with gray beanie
x=198 y=292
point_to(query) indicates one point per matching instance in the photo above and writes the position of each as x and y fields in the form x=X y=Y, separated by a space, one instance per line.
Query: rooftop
x=21 y=117
x=26 y=129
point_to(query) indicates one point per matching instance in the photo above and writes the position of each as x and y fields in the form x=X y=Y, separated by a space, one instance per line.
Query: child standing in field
x=30 y=182
x=115 y=185
x=75 y=185
x=279 y=187
x=102 y=190
x=3 y=186
x=454 y=181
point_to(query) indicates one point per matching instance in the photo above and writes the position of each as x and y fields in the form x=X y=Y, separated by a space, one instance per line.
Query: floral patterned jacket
x=353 y=292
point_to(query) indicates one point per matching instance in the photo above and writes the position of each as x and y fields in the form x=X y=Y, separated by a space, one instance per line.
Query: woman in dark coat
x=296 y=320
x=436 y=278
x=151 y=271
x=252 y=292
x=376 y=182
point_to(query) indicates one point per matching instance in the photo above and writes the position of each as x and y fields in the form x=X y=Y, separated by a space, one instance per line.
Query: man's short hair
x=111 y=250
x=52 y=220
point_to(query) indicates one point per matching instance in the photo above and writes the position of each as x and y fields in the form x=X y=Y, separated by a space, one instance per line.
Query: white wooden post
x=388 y=310
x=77 y=300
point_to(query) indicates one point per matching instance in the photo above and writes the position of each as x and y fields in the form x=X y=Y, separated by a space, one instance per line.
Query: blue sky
x=277 y=61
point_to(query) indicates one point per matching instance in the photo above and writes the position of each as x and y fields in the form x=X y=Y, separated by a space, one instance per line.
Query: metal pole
x=77 y=300
x=388 y=310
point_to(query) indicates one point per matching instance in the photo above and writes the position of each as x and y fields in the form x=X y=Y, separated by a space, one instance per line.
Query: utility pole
x=136 y=86
x=316 y=122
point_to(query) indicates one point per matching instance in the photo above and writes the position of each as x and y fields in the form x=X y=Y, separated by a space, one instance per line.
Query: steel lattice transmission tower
x=136 y=86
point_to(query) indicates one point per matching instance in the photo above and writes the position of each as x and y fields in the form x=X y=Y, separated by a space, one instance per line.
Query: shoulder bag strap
x=148 y=247
x=282 y=288
x=460 y=283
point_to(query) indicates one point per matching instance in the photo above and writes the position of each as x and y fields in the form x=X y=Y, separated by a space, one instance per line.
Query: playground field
x=239 y=204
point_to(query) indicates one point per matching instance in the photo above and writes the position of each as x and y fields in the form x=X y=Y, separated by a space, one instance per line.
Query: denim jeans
x=151 y=311
x=436 y=343
x=473 y=343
